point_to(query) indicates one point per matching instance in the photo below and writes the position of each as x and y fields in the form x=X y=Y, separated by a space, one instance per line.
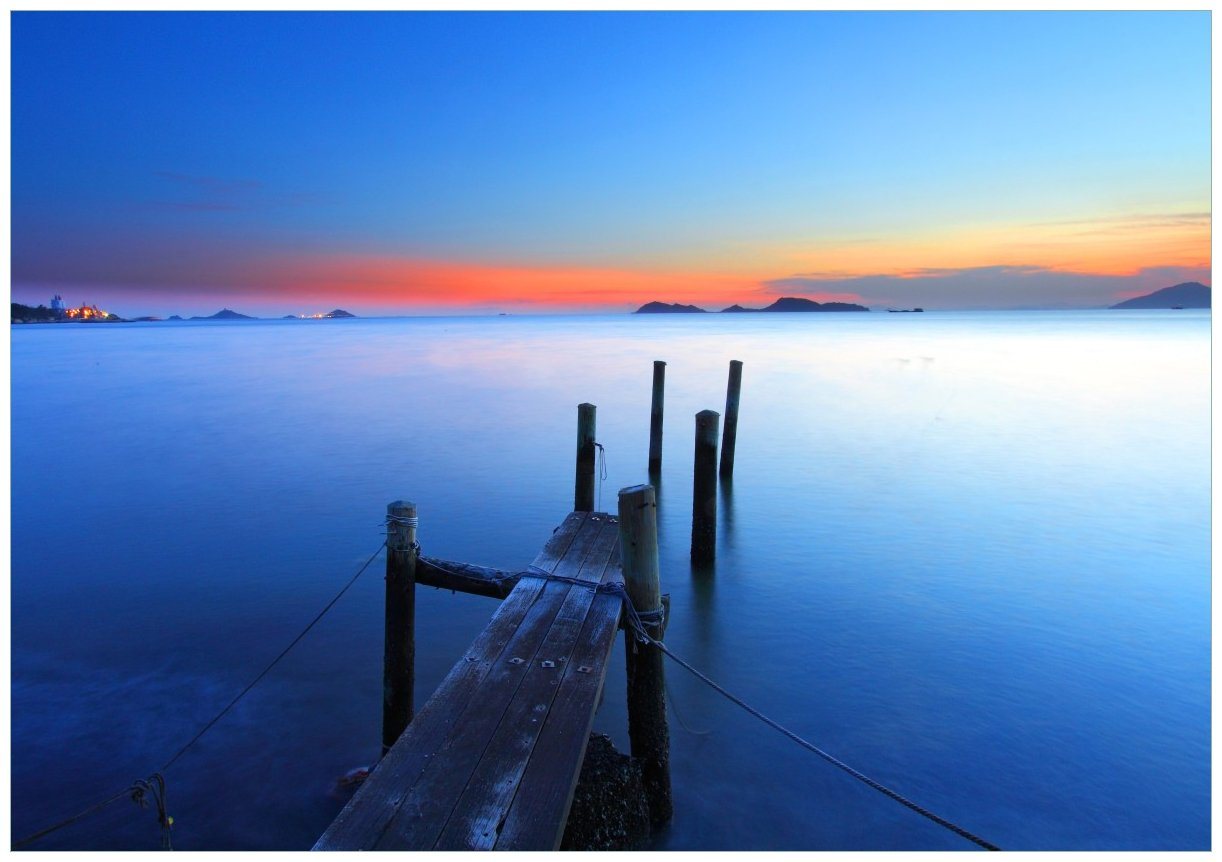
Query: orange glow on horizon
x=1107 y=245
x=1103 y=245
x=405 y=281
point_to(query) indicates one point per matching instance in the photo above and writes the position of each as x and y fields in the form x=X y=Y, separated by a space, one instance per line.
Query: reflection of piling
x=399 y=657
x=583 y=488
x=704 y=487
x=727 y=509
x=647 y=729
x=655 y=416
x=730 y=433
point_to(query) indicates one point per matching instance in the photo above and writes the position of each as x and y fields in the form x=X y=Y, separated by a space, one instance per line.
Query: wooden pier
x=492 y=759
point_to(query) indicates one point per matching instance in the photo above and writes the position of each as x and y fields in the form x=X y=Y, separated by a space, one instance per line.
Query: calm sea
x=967 y=553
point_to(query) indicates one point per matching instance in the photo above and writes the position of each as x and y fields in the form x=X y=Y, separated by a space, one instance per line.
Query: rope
x=811 y=747
x=638 y=621
x=274 y=661
x=154 y=785
x=602 y=472
x=92 y=809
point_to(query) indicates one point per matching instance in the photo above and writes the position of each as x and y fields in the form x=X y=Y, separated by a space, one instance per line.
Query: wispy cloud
x=201 y=193
x=997 y=286
x=214 y=185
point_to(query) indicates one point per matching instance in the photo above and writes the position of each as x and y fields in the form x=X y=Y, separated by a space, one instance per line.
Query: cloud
x=215 y=185
x=196 y=206
x=220 y=194
x=997 y=286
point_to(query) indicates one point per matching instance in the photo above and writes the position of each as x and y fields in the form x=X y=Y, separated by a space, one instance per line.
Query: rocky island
x=1190 y=294
x=784 y=304
x=226 y=314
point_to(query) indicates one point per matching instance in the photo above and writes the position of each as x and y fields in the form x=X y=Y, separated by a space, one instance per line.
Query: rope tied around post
x=154 y=786
x=407 y=522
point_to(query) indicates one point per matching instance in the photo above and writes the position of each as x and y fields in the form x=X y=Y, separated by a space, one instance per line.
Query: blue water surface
x=968 y=553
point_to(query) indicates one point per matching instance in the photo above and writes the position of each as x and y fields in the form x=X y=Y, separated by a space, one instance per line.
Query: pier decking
x=492 y=759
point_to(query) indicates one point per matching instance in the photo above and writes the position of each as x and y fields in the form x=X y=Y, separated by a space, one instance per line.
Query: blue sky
x=184 y=157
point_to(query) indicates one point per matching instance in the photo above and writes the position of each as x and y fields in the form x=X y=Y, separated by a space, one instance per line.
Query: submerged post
x=583 y=490
x=704 y=488
x=399 y=659
x=647 y=728
x=655 y=416
x=730 y=432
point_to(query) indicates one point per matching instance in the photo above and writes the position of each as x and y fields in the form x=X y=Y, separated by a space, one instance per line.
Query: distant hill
x=339 y=312
x=173 y=317
x=226 y=314
x=22 y=313
x=796 y=303
x=1190 y=294
x=668 y=308
x=785 y=303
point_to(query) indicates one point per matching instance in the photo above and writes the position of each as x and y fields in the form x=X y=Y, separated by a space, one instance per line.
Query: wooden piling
x=583 y=488
x=647 y=730
x=655 y=416
x=704 y=488
x=730 y=431
x=399 y=658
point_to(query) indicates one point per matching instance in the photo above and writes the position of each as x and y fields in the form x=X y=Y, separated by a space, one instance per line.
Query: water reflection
x=993 y=574
x=726 y=492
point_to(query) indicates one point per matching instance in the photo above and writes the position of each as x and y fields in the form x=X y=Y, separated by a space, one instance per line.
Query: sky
x=402 y=163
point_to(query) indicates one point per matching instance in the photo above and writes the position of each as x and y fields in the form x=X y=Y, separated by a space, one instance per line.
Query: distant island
x=330 y=315
x=785 y=304
x=668 y=308
x=1190 y=294
x=59 y=312
x=226 y=314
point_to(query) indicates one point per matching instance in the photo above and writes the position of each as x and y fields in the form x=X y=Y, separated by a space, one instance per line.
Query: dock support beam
x=655 y=417
x=647 y=728
x=399 y=658
x=704 y=488
x=730 y=432
x=583 y=488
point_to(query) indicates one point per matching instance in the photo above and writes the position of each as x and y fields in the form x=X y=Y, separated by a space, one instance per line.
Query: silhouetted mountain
x=667 y=308
x=22 y=313
x=226 y=314
x=797 y=303
x=1190 y=294
x=173 y=317
x=339 y=312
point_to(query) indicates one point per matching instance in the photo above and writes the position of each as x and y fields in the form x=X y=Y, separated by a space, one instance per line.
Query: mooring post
x=583 y=489
x=704 y=488
x=730 y=432
x=647 y=730
x=655 y=416
x=399 y=658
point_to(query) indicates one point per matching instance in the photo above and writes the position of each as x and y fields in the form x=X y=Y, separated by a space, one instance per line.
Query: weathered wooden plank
x=479 y=811
x=470 y=725
x=540 y=808
x=465 y=577
x=364 y=818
